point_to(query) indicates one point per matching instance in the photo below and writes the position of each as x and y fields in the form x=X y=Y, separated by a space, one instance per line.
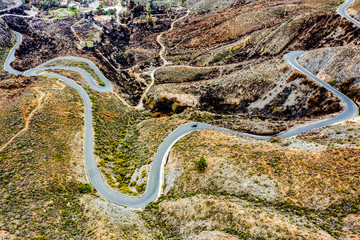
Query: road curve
x=342 y=11
x=156 y=173
x=11 y=56
x=18 y=4
x=349 y=112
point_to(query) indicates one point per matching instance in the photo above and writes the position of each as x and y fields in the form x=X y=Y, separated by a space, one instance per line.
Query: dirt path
x=40 y=102
x=27 y=119
x=120 y=98
x=158 y=38
x=165 y=62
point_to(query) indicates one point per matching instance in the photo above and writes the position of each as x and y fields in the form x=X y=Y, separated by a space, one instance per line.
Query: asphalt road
x=11 y=56
x=155 y=180
x=18 y=4
x=342 y=11
x=349 y=112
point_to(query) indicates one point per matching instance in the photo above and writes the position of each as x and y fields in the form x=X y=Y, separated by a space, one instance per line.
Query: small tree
x=85 y=188
x=201 y=164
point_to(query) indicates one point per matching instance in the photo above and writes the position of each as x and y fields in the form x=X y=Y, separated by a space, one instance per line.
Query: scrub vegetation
x=217 y=185
x=3 y=54
x=38 y=190
x=13 y=112
x=126 y=140
x=318 y=191
x=116 y=135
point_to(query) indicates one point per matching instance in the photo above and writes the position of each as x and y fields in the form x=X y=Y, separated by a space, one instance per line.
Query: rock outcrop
x=4 y=4
x=5 y=34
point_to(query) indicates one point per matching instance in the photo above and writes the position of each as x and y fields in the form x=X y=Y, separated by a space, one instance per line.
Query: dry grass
x=184 y=74
x=38 y=190
x=321 y=186
x=320 y=4
x=12 y=111
x=356 y=6
x=333 y=173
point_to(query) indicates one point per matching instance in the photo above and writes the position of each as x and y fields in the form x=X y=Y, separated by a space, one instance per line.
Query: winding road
x=155 y=180
x=18 y=3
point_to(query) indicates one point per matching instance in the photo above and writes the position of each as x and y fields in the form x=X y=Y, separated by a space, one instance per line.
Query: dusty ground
x=16 y=98
x=268 y=90
x=318 y=185
x=354 y=10
x=233 y=74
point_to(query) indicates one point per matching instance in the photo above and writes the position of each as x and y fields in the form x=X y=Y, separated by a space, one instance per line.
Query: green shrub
x=201 y=164
x=273 y=140
x=295 y=76
x=85 y=188
x=141 y=187
x=284 y=69
x=339 y=3
x=40 y=237
x=143 y=174
x=332 y=83
x=224 y=55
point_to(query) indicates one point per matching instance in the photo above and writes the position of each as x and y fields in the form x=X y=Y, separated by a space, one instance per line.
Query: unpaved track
x=27 y=120
x=165 y=62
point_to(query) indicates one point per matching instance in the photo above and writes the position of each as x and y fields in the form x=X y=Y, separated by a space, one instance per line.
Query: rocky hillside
x=243 y=80
x=5 y=34
x=44 y=40
x=337 y=66
x=5 y=3
x=227 y=70
x=123 y=50
x=267 y=90
x=354 y=10
x=235 y=35
x=256 y=190
x=231 y=60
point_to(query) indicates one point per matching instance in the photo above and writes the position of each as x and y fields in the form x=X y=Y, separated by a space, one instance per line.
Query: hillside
x=204 y=61
x=5 y=3
x=4 y=33
x=244 y=72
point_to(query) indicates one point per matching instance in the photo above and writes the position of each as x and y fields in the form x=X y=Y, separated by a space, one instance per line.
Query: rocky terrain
x=273 y=90
x=233 y=73
x=126 y=47
x=5 y=3
x=52 y=39
x=123 y=50
x=278 y=27
x=338 y=66
x=5 y=34
x=278 y=178
x=354 y=10
x=226 y=69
